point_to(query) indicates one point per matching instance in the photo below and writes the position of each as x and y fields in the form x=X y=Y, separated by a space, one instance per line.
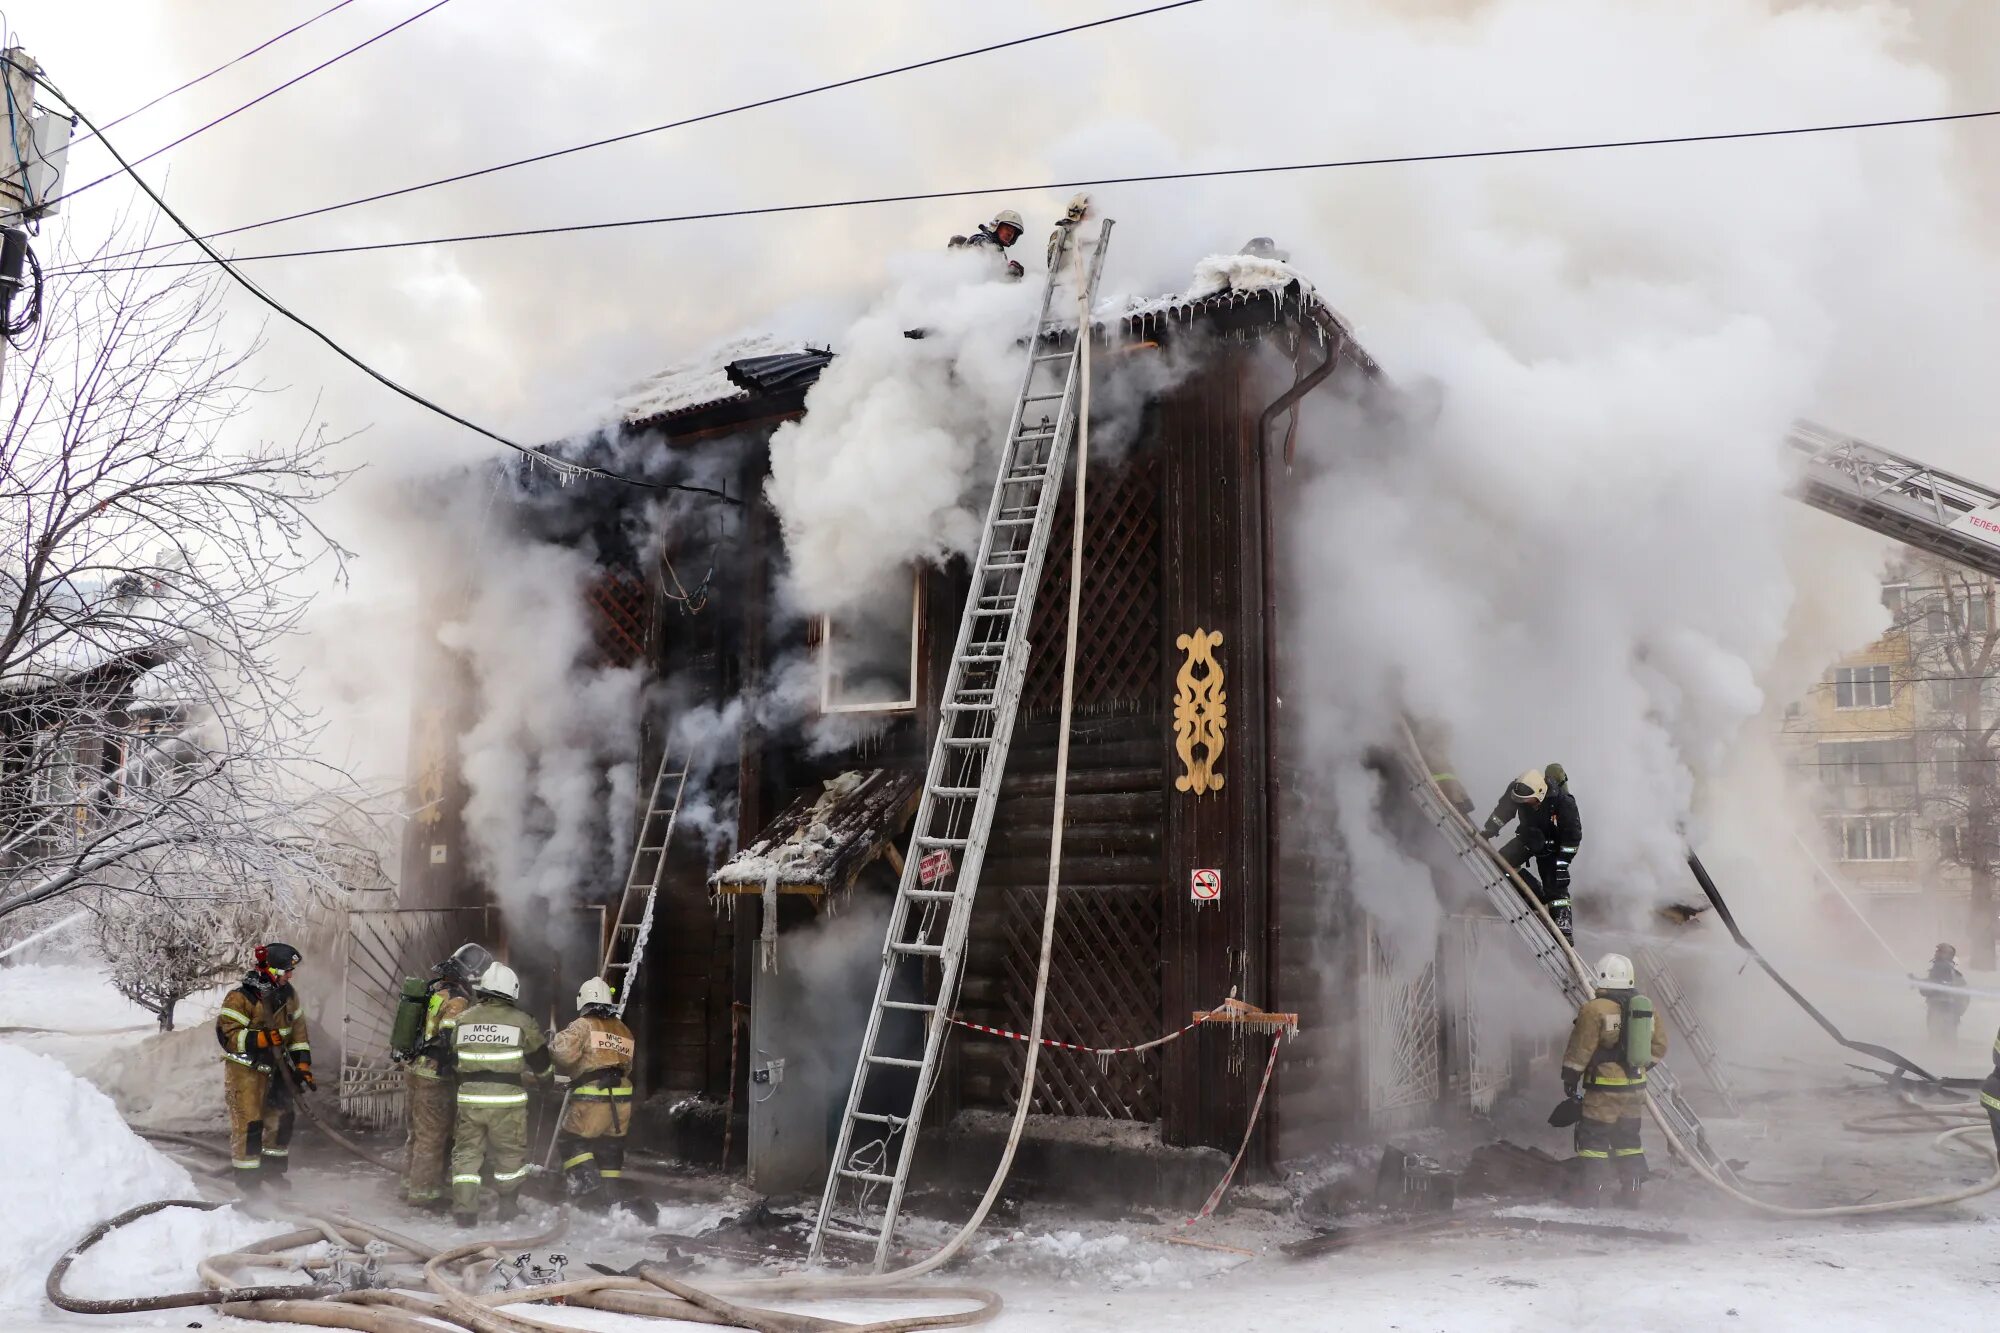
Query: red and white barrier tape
x=1092 y=1050
x=1256 y=1109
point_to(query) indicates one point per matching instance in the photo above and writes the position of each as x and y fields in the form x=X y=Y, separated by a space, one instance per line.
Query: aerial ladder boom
x=1935 y=511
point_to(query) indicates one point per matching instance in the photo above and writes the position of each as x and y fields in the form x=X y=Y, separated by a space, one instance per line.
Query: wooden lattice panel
x=617 y=602
x=1104 y=990
x=1118 y=628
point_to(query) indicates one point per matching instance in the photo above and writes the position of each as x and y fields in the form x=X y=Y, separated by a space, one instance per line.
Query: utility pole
x=31 y=173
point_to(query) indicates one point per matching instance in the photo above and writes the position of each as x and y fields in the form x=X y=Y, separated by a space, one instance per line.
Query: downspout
x=1303 y=383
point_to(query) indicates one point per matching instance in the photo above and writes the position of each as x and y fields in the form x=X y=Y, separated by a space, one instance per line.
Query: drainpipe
x=1304 y=382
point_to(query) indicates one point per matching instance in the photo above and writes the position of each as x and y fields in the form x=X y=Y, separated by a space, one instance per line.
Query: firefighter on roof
x=429 y=1076
x=496 y=1047
x=261 y=1026
x=1549 y=832
x=596 y=1052
x=1614 y=1040
x=997 y=235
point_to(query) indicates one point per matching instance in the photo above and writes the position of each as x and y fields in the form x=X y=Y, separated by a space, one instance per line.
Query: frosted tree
x=153 y=562
x=158 y=952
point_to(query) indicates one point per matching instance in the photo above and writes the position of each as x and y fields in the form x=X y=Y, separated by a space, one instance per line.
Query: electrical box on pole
x=31 y=164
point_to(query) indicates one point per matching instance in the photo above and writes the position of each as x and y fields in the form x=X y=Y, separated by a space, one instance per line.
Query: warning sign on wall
x=1205 y=886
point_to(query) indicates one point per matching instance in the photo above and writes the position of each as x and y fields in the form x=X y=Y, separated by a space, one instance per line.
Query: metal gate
x=1476 y=962
x=380 y=949
x=1403 y=1048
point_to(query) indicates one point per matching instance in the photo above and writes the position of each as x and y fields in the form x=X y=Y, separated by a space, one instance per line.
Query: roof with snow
x=744 y=378
x=821 y=841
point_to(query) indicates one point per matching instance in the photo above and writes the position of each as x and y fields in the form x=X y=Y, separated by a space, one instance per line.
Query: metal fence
x=381 y=948
x=1404 y=1055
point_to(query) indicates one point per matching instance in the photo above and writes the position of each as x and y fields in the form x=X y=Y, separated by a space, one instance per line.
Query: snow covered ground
x=71 y=1162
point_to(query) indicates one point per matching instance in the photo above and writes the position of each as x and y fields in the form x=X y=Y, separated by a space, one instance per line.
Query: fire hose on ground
x=363 y=1299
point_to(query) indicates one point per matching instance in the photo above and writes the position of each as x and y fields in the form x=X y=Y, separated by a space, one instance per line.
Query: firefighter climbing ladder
x=1666 y=989
x=933 y=908
x=625 y=946
x=1514 y=903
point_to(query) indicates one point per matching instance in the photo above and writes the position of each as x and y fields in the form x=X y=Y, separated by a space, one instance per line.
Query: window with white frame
x=1862 y=687
x=1896 y=596
x=1951 y=843
x=1883 y=763
x=868 y=653
x=1880 y=837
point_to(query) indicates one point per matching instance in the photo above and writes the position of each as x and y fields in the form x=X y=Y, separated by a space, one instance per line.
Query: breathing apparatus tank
x=407 y=1031
x=1638 y=1035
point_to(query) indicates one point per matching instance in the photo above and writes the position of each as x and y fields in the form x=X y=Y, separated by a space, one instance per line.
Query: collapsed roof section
x=731 y=385
x=822 y=841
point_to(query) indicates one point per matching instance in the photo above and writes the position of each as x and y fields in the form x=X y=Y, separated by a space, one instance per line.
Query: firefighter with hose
x=596 y=1052
x=1989 y=1095
x=262 y=1023
x=422 y=1043
x=1612 y=1044
x=496 y=1046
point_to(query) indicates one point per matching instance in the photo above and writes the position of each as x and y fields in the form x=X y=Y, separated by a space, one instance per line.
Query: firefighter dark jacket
x=1551 y=822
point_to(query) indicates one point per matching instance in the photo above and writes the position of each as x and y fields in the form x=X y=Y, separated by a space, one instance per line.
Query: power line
x=562 y=467
x=669 y=125
x=1153 y=178
x=227 y=115
x=202 y=78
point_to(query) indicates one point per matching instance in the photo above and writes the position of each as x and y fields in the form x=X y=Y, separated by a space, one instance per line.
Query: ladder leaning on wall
x=933 y=908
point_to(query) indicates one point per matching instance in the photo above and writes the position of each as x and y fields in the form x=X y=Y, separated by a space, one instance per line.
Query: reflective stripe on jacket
x=494 y=1044
x=596 y=1053
x=440 y=1019
x=1597 y=1049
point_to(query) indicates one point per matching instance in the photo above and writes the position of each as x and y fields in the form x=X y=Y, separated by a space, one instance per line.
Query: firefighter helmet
x=1614 y=972
x=1529 y=788
x=594 y=994
x=277 y=959
x=1556 y=775
x=468 y=962
x=499 y=979
x=1007 y=217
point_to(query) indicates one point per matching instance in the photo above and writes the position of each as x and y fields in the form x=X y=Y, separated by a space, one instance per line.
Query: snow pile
x=1117 y=1260
x=170 y=1080
x=68 y=997
x=1242 y=273
x=71 y=1163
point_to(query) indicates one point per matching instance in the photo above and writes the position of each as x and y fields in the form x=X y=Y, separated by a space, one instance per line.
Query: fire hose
x=360 y=1299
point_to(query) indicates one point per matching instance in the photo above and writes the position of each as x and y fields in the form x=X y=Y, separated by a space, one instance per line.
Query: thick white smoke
x=1586 y=557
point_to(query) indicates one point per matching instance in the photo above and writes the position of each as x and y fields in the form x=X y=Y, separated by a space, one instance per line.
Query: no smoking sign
x=1205 y=886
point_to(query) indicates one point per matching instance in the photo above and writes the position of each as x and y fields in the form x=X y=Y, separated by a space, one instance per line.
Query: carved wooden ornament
x=1201 y=712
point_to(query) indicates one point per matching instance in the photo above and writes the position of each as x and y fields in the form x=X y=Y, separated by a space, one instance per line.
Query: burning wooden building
x=1187 y=875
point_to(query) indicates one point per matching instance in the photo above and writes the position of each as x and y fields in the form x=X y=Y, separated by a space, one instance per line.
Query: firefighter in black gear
x=1548 y=833
x=997 y=235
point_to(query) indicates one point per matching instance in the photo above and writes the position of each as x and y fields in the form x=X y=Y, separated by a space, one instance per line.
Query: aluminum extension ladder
x=1511 y=899
x=625 y=946
x=989 y=665
x=1666 y=988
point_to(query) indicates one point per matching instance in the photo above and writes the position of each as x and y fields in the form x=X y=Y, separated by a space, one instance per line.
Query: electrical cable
x=927 y=196
x=685 y=121
x=561 y=467
x=231 y=114
x=227 y=64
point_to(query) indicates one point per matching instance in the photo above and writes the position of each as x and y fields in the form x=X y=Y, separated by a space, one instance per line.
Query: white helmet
x=1614 y=972
x=594 y=992
x=1530 y=787
x=499 y=979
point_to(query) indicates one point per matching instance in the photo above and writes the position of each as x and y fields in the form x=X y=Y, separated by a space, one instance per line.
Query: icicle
x=1104 y=1062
